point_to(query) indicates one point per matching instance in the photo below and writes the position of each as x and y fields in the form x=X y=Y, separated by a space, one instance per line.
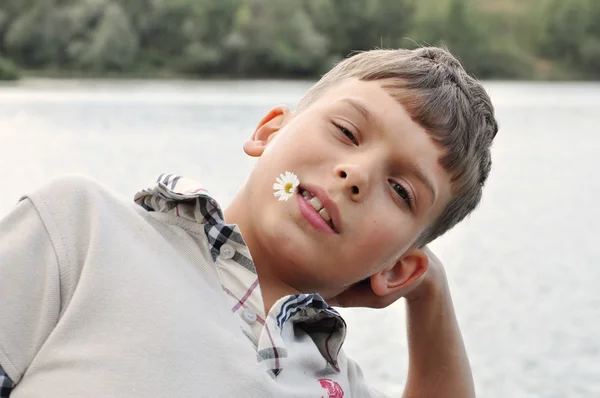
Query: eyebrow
x=364 y=112
x=416 y=171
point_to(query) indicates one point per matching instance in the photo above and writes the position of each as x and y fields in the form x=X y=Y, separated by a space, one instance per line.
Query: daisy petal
x=285 y=186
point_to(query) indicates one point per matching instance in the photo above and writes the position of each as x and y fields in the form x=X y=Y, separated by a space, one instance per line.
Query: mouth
x=319 y=209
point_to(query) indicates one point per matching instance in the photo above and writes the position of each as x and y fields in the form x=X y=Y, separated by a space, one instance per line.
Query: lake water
x=524 y=269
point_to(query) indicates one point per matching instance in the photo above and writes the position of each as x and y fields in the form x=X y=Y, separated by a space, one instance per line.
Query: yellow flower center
x=288 y=187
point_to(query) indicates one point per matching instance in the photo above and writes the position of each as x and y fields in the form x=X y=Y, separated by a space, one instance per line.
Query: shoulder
x=72 y=206
x=73 y=194
x=72 y=186
x=80 y=215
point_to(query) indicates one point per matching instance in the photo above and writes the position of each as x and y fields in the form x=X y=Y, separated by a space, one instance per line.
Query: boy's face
x=377 y=170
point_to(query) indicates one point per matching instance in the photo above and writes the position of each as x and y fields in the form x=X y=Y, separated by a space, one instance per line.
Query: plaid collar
x=185 y=198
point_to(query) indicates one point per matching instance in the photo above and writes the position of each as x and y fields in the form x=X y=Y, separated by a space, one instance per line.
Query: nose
x=355 y=180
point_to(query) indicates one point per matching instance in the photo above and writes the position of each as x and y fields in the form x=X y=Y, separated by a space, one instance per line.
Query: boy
x=170 y=296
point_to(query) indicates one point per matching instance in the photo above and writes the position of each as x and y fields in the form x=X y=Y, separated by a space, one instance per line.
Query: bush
x=257 y=46
x=112 y=46
x=571 y=36
x=8 y=70
x=291 y=38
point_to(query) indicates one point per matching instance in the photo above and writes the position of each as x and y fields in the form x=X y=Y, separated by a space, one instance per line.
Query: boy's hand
x=438 y=362
x=361 y=294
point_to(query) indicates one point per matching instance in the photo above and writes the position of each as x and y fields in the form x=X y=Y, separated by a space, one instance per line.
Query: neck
x=272 y=287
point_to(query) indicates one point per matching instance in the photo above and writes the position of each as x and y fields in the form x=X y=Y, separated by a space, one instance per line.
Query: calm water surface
x=524 y=269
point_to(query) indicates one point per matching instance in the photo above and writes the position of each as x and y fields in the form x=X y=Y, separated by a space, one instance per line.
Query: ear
x=268 y=126
x=402 y=276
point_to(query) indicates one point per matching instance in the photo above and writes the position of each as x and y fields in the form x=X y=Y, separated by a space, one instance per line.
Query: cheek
x=387 y=237
x=377 y=248
x=286 y=150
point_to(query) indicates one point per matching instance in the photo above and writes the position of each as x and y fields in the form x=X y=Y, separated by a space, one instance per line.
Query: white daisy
x=286 y=185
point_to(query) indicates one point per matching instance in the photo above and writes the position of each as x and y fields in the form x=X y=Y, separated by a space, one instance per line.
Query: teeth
x=307 y=195
x=316 y=203
x=318 y=206
x=324 y=214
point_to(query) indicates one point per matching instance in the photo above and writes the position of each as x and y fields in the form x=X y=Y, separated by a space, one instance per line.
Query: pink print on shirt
x=334 y=390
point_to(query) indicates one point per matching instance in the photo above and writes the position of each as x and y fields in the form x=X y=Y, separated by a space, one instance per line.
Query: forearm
x=438 y=362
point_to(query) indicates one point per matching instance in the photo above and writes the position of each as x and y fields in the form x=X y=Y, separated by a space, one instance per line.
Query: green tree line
x=538 y=39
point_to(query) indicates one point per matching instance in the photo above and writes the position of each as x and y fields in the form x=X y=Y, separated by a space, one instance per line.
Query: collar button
x=227 y=251
x=249 y=316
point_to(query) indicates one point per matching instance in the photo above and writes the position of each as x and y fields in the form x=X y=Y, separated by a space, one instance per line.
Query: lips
x=319 y=209
x=317 y=205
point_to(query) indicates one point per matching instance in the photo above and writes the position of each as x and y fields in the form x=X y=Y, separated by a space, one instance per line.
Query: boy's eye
x=404 y=193
x=347 y=133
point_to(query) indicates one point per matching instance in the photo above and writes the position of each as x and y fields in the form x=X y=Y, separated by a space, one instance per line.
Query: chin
x=297 y=265
x=296 y=255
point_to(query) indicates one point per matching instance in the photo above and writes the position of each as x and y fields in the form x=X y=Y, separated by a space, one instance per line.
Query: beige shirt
x=103 y=297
